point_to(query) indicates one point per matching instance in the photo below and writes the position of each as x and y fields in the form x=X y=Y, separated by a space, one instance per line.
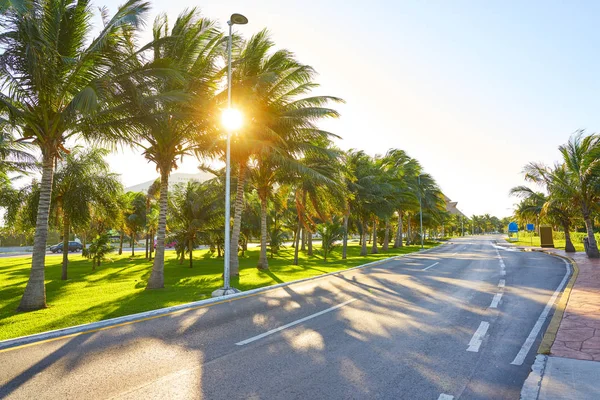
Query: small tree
x=330 y=233
x=98 y=249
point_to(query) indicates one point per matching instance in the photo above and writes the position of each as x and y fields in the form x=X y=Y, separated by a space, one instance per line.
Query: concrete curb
x=533 y=383
x=23 y=341
x=550 y=335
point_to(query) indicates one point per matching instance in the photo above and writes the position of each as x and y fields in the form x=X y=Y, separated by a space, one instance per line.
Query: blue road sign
x=530 y=227
x=513 y=227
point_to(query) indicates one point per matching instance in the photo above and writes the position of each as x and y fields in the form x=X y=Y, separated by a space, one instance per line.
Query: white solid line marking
x=299 y=321
x=432 y=265
x=444 y=396
x=478 y=337
x=496 y=300
x=520 y=358
x=502 y=283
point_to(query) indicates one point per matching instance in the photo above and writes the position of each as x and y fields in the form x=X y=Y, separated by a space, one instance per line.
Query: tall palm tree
x=52 y=76
x=274 y=88
x=580 y=183
x=317 y=194
x=552 y=207
x=402 y=169
x=176 y=124
x=271 y=87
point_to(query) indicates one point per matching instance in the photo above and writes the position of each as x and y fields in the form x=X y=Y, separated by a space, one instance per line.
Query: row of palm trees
x=57 y=85
x=567 y=193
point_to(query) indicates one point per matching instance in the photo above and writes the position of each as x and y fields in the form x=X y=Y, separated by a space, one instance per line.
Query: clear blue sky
x=473 y=89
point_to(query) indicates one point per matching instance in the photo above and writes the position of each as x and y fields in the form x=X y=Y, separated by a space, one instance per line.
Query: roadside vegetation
x=529 y=239
x=62 y=81
x=117 y=286
x=565 y=195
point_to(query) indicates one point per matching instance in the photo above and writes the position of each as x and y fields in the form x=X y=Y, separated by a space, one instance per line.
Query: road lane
x=405 y=336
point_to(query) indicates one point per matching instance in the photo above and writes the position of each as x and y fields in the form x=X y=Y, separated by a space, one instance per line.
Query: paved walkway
x=572 y=371
x=579 y=333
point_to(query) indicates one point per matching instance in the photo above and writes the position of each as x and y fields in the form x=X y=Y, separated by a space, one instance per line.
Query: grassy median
x=535 y=242
x=116 y=288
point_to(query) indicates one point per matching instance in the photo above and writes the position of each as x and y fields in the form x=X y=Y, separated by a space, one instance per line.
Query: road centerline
x=296 y=322
x=496 y=300
x=477 y=338
x=432 y=265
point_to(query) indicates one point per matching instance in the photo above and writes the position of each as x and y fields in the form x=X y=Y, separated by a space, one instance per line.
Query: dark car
x=73 y=246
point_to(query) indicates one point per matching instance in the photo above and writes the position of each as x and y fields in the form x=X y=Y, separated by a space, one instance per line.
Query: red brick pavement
x=579 y=333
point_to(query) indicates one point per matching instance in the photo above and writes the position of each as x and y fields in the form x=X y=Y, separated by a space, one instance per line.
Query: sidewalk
x=572 y=369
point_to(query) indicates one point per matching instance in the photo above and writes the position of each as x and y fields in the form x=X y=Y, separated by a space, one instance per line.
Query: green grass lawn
x=116 y=288
x=535 y=242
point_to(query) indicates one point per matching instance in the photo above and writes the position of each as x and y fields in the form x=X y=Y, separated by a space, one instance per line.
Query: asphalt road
x=439 y=325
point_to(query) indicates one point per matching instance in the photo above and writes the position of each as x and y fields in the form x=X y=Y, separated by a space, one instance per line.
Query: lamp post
x=232 y=120
x=420 y=210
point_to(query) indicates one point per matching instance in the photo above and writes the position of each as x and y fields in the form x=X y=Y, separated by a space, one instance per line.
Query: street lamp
x=420 y=210
x=232 y=121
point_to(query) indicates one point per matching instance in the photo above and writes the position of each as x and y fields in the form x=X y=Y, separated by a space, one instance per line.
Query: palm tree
x=273 y=88
x=152 y=194
x=330 y=233
x=195 y=209
x=580 y=183
x=82 y=181
x=551 y=207
x=51 y=77
x=176 y=125
x=135 y=216
x=317 y=194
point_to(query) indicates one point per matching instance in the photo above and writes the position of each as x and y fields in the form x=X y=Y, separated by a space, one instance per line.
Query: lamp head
x=232 y=119
x=237 y=19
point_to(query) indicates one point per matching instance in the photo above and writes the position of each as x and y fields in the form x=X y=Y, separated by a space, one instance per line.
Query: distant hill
x=174 y=179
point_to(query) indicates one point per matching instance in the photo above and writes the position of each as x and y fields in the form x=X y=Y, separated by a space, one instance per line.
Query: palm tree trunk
x=386 y=237
x=309 y=242
x=569 y=248
x=363 y=239
x=296 y=240
x=84 y=245
x=234 y=261
x=147 y=245
x=374 y=249
x=34 y=296
x=191 y=246
x=408 y=231
x=151 y=244
x=65 y=261
x=345 y=240
x=263 y=262
x=400 y=228
x=121 y=237
x=593 y=246
x=157 y=277
x=303 y=245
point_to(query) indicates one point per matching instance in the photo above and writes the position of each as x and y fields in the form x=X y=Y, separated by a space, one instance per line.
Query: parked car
x=73 y=246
